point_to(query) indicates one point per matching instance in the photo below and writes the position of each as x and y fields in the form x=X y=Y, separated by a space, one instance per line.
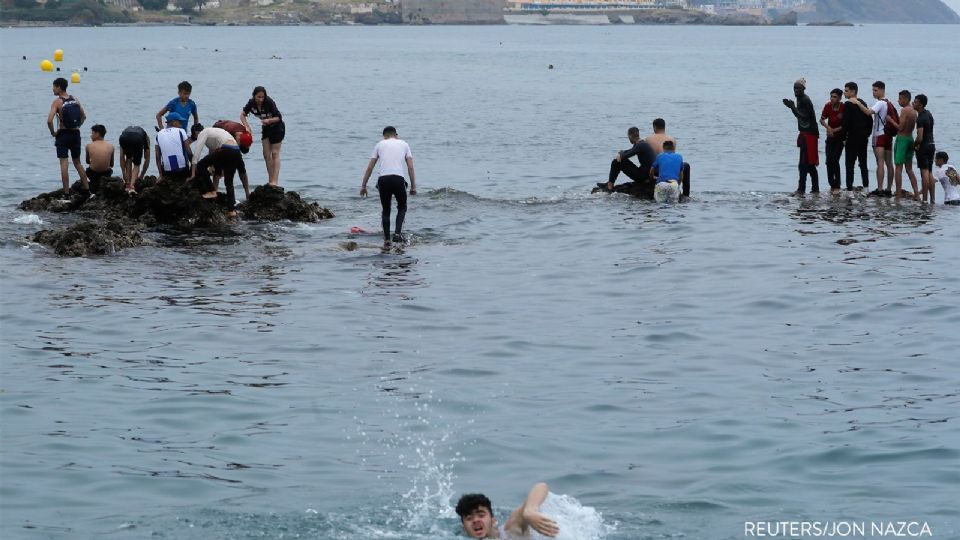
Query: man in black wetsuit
x=622 y=164
x=807 y=139
x=856 y=127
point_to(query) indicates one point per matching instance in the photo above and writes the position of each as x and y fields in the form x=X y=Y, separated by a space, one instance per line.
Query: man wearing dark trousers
x=857 y=127
x=621 y=162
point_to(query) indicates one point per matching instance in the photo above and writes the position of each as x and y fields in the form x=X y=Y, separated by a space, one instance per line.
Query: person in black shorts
x=273 y=130
x=70 y=116
x=134 y=145
x=925 y=148
x=222 y=162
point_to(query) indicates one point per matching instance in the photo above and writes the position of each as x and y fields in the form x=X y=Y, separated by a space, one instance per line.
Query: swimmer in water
x=476 y=516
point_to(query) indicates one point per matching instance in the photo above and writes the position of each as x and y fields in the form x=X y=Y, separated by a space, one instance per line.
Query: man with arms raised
x=476 y=516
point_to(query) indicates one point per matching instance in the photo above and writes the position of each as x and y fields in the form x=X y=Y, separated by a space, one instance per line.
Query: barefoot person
x=134 y=149
x=925 y=148
x=70 y=116
x=857 y=127
x=882 y=139
x=832 y=119
x=272 y=131
x=99 y=155
x=807 y=139
x=478 y=521
x=214 y=139
x=903 y=144
x=392 y=153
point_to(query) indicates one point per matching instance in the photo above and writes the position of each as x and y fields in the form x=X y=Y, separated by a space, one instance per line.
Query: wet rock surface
x=112 y=219
x=640 y=190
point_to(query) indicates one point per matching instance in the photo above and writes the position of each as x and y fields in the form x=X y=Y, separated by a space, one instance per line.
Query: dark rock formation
x=114 y=219
x=272 y=203
x=91 y=238
x=641 y=190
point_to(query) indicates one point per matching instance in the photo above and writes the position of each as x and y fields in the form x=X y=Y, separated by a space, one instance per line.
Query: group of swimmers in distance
x=894 y=135
x=662 y=174
x=226 y=143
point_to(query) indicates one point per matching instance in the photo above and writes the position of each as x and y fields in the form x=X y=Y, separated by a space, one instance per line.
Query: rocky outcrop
x=112 y=220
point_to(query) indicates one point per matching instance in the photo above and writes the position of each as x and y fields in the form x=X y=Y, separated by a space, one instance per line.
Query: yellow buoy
x=58 y=55
x=46 y=65
x=75 y=78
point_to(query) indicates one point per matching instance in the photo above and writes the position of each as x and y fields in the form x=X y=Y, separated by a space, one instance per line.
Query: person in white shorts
x=949 y=179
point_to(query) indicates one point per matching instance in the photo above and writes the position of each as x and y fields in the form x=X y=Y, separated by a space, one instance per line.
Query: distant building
x=592 y=5
x=452 y=11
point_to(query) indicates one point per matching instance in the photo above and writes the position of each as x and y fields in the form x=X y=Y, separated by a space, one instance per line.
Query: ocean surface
x=672 y=371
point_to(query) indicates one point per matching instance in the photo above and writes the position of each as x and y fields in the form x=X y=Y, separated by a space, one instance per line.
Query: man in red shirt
x=831 y=119
x=240 y=134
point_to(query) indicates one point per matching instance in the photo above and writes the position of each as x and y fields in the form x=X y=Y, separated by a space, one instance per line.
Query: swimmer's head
x=476 y=515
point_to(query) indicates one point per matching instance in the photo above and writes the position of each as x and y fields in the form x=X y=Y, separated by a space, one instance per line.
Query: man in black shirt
x=622 y=164
x=925 y=148
x=856 y=129
x=807 y=139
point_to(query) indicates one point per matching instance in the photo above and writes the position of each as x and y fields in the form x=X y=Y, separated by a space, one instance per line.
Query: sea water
x=670 y=371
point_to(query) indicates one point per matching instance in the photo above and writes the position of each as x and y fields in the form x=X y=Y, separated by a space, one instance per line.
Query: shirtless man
x=99 y=155
x=903 y=145
x=659 y=136
x=476 y=517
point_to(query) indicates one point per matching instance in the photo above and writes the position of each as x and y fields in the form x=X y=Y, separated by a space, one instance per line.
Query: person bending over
x=478 y=521
x=392 y=153
x=134 y=149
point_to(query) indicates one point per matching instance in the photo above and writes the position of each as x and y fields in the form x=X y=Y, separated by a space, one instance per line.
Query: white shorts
x=667 y=192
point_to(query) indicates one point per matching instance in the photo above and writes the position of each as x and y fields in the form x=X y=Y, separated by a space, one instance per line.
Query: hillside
x=883 y=11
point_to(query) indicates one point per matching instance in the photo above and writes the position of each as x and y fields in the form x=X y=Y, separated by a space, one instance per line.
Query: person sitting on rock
x=99 y=155
x=667 y=170
x=214 y=139
x=134 y=147
x=621 y=162
x=173 y=149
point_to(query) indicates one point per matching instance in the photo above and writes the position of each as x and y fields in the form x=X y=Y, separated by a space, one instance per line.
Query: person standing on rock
x=70 y=116
x=883 y=113
x=392 y=153
x=173 y=150
x=807 y=139
x=857 y=127
x=832 y=119
x=903 y=144
x=272 y=130
x=99 y=155
x=182 y=105
x=925 y=148
x=134 y=149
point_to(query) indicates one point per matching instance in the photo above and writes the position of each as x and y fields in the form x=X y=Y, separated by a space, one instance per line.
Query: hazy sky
x=955 y=4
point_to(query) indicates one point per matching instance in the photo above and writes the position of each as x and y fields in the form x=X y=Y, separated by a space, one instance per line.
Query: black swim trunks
x=97 y=175
x=68 y=142
x=275 y=132
x=133 y=143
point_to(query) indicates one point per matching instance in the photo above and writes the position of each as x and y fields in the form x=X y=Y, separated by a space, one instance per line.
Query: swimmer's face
x=480 y=523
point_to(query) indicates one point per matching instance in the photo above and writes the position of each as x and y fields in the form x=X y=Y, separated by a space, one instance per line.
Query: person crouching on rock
x=621 y=162
x=239 y=132
x=99 y=155
x=173 y=150
x=222 y=162
x=214 y=139
x=667 y=170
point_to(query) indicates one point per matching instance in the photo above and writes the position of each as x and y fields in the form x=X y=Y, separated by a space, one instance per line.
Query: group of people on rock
x=226 y=143
x=896 y=136
x=661 y=175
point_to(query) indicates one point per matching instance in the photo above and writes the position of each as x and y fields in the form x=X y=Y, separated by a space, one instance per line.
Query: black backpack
x=71 y=116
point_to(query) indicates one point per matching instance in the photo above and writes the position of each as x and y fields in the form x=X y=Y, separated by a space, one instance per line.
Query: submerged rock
x=640 y=190
x=114 y=218
x=91 y=238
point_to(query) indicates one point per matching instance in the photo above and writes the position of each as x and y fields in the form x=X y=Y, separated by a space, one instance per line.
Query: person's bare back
x=656 y=141
x=908 y=121
x=100 y=156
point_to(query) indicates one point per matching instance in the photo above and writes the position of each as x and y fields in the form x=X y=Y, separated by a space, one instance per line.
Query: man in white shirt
x=392 y=153
x=949 y=179
x=173 y=149
x=214 y=138
x=882 y=142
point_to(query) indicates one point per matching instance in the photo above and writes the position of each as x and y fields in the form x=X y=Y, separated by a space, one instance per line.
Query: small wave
x=29 y=219
x=576 y=522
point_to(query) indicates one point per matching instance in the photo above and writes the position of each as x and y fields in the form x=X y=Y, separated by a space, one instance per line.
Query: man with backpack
x=70 y=116
x=856 y=129
x=885 y=120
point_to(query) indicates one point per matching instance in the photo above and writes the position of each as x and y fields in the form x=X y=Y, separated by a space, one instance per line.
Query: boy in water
x=476 y=516
x=949 y=179
x=182 y=105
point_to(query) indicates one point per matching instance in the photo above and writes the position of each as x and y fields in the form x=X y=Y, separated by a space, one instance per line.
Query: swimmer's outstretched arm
x=528 y=515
